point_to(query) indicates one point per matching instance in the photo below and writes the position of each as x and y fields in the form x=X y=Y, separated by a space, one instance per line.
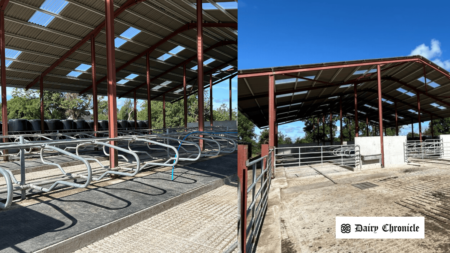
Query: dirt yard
x=302 y=210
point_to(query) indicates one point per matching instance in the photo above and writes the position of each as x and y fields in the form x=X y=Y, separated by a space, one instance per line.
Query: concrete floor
x=204 y=224
x=302 y=210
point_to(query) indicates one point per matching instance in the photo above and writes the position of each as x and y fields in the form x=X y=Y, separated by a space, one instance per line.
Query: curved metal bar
x=179 y=141
x=166 y=163
x=138 y=162
x=104 y=151
x=206 y=143
x=9 y=187
x=88 y=158
x=88 y=166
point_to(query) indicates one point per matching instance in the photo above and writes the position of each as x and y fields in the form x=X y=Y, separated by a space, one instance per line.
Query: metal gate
x=429 y=149
x=329 y=155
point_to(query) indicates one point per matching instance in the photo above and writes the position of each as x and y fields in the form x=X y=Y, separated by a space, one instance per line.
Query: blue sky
x=303 y=32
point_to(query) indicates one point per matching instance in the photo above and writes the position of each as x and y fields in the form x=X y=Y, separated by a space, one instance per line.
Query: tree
x=77 y=106
x=126 y=111
x=440 y=126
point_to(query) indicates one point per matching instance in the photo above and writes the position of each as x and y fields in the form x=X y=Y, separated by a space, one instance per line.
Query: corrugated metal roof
x=42 y=46
x=304 y=91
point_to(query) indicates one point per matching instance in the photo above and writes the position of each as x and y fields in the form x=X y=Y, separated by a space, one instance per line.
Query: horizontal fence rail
x=428 y=149
x=136 y=150
x=333 y=155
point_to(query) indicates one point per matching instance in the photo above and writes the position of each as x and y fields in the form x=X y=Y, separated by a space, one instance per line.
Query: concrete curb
x=89 y=237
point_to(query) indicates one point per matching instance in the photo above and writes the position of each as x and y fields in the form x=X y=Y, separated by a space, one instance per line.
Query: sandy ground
x=302 y=210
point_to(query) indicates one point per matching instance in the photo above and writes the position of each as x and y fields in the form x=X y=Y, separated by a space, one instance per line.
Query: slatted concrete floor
x=204 y=224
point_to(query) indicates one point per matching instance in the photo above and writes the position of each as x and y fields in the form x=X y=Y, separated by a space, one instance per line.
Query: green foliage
x=126 y=111
x=440 y=126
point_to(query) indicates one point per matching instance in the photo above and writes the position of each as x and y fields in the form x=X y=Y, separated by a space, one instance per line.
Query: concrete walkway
x=204 y=224
x=58 y=219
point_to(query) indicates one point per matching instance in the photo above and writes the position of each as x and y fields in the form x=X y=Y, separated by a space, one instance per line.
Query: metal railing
x=333 y=155
x=253 y=196
x=428 y=149
x=162 y=150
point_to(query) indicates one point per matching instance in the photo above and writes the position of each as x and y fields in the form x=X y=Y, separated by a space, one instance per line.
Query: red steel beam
x=201 y=121
x=435 y=68
x=243 y=181
x=355 y=90
x=418 y=115
x=126 y=5
x=327 y=67
x=94 y=85
x=205 y=73
x=271 y=112
x=149 y=90
x=111 y=74
x=3 y=71
x=380 y=114
x=219 y=44
x=185 y=96
x=3 y=5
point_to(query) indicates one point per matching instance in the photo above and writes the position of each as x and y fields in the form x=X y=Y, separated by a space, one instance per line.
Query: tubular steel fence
x=135 y=152
x=332 y=155
x=428 y=149
x=253 y=193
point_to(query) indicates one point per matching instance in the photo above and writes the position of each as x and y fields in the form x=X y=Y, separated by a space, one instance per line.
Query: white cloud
x=432 y=53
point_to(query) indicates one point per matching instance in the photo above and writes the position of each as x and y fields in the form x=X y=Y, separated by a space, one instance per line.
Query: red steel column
x=149 y=90
x=271 y=112
x=367 y=125
x=331 y=129
x=431 y=125
x=3 y=72
x=355 y=87
x=340 y=118
x=380 y=114
x=94 y=85
x=111 y=78
x=164 y=111
x=135 y=111
x=185 y=96
x=41 y=97
x=211 y=118
x=201 y=121
x=396 y=118
x=418 y=115
x=323 y=129
x=242 y=175
x=230 y=101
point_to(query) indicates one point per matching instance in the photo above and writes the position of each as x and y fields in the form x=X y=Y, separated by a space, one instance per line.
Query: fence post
x=242 y=174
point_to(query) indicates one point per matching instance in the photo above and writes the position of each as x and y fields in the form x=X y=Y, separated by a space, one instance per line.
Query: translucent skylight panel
x=387 y=101
x=130 y=33
x=442 y=108
x=303 y=80
x=164 y=57
x=333 y=97
x=283 y=106
x=208 y=61
x=371 y=107
x=11 y=53
x=410 y=94
x=284 y=95
x=40 y=18
x=208 y=6
x=195 y=67
x=402 y=90
x=74 y=74
x=54 y=6
x=291 y=94
x=165 y=83
x=123 y=81
x=299 y=103
x=434 y=104
x=83 y=67
x=228 y=5
x=364 y=71
x=345 y=86
x=361 y=112
x=411 y=110
x=176 y=50
x=429 y=82
x=118 y=42
x=7 y=63
x=131 y=76
x=226 y=68
x=299 y=93
x=283 y=81
x=156 y=87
